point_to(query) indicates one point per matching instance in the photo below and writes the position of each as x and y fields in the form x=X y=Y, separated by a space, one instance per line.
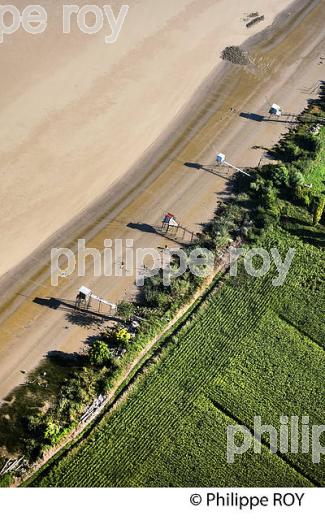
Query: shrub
x=99 y=353
x=6 y=480
x=235 y=54
x=307 y=141
x=296 y=178
x=288 y=151
x=122 y=337
x=318 y=211
x=51 y=432
x=280 y=175
x=125 y=310
x=154 y=293
x=302 y=195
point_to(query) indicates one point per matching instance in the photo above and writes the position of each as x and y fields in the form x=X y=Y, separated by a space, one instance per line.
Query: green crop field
x=251 y=349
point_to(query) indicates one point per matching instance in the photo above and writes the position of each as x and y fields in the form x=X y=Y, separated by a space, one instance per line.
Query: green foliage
x=44 y=431
x=122 y=337
x=125 y=310
x=307 y=142
x=6 y=480
x=51 y=432
x=297 y=145
x=296 y=178
x=302 y=195
x=289 y=151
x=222 y=228
x=117 y=337
x=99 y=353
x=318 y=211
x=280 y=175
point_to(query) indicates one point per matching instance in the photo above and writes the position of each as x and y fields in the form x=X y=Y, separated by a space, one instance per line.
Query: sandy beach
x=66 y=147
x=77 y=113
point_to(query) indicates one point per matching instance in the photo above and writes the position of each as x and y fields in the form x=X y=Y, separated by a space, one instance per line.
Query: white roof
x=221 y=157
x=84 y=290
x=173 y=223
x=275 y=106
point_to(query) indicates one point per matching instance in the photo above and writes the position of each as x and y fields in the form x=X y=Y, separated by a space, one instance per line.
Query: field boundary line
x=302 y=332
x=264 y=443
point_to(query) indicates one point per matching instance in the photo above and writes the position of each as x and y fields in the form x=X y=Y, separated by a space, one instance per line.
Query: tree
x=270 y=197
x=154 y=293
x=302 y=195
x=223 y=237
x=125 y=310
x=51 y=432
x=296 y=178
x=99 y=353
x=307 y=142
x=318 y=211
x=160 y=300
x=289 y=151
x=280 y=175
x=258 y=185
